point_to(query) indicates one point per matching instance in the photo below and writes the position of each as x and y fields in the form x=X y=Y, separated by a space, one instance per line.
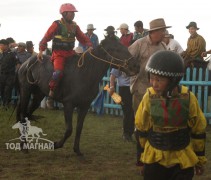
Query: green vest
x=169 y=122
x=170 y=113
x=64 y=39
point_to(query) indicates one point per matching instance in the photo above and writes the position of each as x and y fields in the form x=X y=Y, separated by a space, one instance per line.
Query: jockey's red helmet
x=67 y=7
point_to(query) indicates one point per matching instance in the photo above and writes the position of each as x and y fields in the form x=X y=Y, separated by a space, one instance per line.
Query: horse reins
x=27 y=76
x=125 y=65
x=81 y=62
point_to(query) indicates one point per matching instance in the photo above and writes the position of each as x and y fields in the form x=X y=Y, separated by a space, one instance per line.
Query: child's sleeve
x=142 y=120
x=198 y=125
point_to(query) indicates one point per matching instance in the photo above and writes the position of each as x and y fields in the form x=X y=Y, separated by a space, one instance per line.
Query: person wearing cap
x=9 y=63
x=63 y=33
x=193 y=56
x=110 y=31
x=142 y=49
x=22 y=54
x=30 y=48
x=172 y=44
x=126 y=35
x=92 y=36
x=170 y=123
x=139 y=31
x=196 y=44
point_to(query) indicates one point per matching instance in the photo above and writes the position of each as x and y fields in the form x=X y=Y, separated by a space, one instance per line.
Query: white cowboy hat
x=90 y=26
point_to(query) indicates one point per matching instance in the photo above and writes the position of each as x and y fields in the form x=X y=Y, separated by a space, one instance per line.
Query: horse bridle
x=111 y=61
x=81 y=62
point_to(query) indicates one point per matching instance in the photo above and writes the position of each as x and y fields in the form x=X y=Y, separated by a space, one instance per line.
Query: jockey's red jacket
x=59 y=56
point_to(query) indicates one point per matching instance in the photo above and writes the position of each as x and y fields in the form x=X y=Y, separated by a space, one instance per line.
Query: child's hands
x=199 y=170
x=112 y=90
x=40 y=56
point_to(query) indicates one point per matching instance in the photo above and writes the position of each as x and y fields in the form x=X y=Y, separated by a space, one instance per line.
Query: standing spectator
x=22 y=54
x=93 y=37
x=8 y=64
x=110 y=31
x=30 y=48
x=12 y=44
x=126 y=35
x=63 y=33
x=140 y=32
x=142 y=49
x=196 y=44
x=172 y=44
x=123 y=81
x=170 y=123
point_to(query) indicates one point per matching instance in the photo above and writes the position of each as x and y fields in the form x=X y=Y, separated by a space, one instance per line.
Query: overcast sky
x=29 y=19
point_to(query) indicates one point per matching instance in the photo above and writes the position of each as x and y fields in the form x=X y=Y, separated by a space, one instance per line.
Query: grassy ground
x=106 y=155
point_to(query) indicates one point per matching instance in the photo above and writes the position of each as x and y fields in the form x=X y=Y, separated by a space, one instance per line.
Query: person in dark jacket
x=9 y=63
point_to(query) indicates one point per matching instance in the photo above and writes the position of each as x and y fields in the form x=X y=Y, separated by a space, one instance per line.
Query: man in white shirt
x=172 y=44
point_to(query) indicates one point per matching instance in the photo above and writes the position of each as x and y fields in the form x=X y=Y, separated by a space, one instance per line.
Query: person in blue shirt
x=93 y=37
x=123 y=81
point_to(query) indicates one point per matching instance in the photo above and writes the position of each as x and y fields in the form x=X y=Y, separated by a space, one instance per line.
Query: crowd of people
x=11 y=57
x=168 y=147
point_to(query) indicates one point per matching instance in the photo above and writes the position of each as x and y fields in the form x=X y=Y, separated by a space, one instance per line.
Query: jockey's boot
x=56 y=77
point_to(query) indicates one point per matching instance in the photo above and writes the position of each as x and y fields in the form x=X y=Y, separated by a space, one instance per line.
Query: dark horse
x=79 y=86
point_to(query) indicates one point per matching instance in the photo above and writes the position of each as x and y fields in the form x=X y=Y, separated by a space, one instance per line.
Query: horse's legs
x=23 y=102
x=68 y=114
x=35 y=102
x=21 y=114
x=80 y=121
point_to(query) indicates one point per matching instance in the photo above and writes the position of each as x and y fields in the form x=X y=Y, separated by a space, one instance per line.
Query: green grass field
x=106 y=155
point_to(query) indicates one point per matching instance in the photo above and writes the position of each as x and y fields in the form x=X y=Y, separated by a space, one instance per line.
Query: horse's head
x=16 y=126
x=118 y=56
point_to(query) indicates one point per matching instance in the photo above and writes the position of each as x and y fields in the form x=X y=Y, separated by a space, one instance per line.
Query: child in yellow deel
x=170 y=123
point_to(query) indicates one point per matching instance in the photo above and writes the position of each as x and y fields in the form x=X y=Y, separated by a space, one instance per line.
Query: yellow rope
x=81 y=59
x=27 y=74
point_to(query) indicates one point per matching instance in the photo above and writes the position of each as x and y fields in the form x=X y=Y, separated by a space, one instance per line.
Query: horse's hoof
x=24 y=147
x=78 y=152
x=57 y=145
x=25 y=151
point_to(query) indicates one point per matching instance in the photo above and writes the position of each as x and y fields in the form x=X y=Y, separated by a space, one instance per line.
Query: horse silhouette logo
x=27 y=131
